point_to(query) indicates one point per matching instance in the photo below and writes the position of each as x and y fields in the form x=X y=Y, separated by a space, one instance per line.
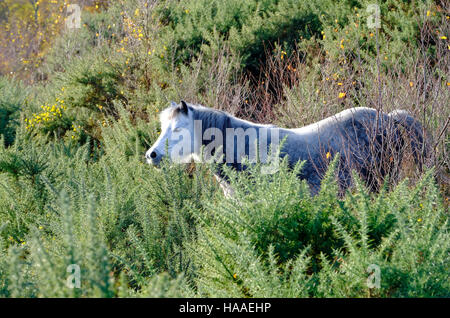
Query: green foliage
x=268 y=244
x=134 y=223
x=139 y=231
x=348 y=36
x=84 y=96
x=13 y=95
x=248 y=28
x=415 y=227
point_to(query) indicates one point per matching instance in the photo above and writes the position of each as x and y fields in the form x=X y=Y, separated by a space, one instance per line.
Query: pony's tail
x=416 y=133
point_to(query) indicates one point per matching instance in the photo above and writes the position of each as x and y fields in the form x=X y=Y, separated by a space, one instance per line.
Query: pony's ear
x=184 y=107
x=173 y=104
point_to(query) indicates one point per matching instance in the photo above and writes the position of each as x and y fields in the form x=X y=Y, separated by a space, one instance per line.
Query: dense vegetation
x=76 y=121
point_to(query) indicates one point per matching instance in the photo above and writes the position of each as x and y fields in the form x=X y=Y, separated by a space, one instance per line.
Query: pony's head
x=176 y=140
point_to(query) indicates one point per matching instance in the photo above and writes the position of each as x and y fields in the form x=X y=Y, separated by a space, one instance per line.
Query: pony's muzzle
x=153 y=157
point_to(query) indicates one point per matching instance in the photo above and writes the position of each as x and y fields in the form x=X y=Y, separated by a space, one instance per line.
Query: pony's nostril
x=153 y=154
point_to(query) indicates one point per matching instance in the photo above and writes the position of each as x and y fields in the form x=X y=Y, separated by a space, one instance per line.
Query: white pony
x=368 y=141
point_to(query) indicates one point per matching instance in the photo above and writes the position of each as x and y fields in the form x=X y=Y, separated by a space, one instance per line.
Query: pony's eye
x=177 y=129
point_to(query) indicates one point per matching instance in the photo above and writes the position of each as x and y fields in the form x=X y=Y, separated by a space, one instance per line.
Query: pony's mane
x=217 y=118
x=211 y=118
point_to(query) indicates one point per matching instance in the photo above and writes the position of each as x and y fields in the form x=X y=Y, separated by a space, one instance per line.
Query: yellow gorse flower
x=49 y=113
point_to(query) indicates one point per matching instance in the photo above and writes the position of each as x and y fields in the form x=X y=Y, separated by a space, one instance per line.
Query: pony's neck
x=226 y=130
x=242 y=123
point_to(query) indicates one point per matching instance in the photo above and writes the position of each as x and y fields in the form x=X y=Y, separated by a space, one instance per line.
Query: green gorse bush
x=78 y=204
x=135 y=231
